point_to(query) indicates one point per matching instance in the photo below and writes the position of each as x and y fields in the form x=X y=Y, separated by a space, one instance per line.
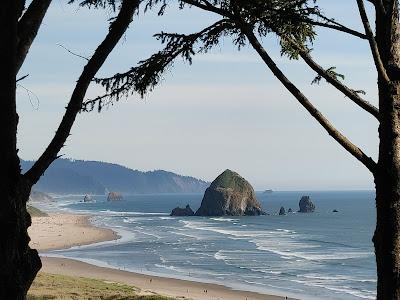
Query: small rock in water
x=113 y=196
x=87 y=198
x=335 y=211
x=290 y=211
x=306 y=205
x=282 y=211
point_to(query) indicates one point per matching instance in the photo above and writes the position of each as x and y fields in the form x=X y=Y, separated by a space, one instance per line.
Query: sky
x=226 y=110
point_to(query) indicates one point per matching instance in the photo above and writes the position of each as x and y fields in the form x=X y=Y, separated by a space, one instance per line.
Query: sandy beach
x=61 y=231
x=66 y=230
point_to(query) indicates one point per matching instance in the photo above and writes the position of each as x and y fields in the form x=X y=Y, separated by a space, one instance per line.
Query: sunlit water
x=323 y=255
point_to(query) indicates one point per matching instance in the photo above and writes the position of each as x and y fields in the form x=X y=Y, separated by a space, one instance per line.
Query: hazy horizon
x=224 y=111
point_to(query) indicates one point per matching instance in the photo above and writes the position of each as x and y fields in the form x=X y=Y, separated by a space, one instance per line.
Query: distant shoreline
x=63 y=231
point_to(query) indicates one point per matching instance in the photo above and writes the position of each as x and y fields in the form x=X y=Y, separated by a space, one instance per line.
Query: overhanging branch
x=303 y=100
x=351 y=94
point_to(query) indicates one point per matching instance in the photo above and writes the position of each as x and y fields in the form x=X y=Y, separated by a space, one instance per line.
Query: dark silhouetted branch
x=350 y=93
x=372 y=42
x=303 y=100
x=28 y=27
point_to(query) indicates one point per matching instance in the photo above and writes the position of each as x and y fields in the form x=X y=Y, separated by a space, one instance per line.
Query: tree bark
x=387 y=177
x=19 y=264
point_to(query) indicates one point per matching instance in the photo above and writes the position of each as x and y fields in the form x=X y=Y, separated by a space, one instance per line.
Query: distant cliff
x=93 y=177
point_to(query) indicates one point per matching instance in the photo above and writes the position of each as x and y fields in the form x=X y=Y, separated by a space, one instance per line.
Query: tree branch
x=340 y=28
x=208 y=7
x=28 y=27
x=351 y=94
x=117 y=29
x=303 y=100
x=372 y=42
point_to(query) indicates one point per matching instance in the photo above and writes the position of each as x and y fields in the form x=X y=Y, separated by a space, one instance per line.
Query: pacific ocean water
x=322 y=255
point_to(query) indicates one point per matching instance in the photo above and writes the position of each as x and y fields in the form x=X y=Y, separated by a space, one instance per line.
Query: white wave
x=130 y=220
x=171 y=268
x=287 y=254
x=223 y=219
x=286 y=230
x=235 y=233
x=166 y=218
x=266 y=271
x=336 y=278
x=218 y=256
x=187 y=235
x=130 y=213
x=364 y=294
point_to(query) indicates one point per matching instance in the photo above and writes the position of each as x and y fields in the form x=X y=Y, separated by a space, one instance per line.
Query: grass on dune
x=50 y=286
x=35 y=212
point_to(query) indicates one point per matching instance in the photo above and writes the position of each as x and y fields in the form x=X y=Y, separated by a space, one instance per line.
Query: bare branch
x=339 y=27
x=73 y=53
x=28 y=27
x=350 y=93
x=205 y=5
x=303 y=100
x=117 y=29
x=22 y=78
x=372 y=42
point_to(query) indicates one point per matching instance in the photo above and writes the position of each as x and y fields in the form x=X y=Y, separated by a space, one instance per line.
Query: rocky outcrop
x=229 y=195
x=114 y=196
x=182 y=212
x=282 y=211
x=87 y=198
x=306 y=205
x=290 y=211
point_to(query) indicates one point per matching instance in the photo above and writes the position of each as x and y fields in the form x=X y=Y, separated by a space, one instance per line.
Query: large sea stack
x=306 y=205
x=229 y=195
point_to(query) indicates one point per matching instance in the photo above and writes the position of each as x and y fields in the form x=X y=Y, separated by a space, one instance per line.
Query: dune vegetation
x=50 y=286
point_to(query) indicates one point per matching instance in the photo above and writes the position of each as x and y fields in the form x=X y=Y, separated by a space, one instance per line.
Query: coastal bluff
x=229 y=195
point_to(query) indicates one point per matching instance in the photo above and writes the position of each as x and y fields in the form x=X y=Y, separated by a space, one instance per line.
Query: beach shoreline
x=63 y=231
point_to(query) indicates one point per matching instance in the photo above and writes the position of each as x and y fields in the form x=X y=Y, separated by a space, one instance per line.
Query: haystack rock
x=306 y=205
x=229 y=195
x=282 y=211
x=182 y=212
x=113 y=196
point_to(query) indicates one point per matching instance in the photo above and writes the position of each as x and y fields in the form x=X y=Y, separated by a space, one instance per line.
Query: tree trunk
x=18 y=263
x=387 y=176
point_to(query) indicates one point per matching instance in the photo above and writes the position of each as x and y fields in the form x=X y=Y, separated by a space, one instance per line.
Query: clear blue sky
x=224 y=111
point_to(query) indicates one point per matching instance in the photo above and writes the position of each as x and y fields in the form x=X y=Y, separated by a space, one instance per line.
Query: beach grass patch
x=51 y=286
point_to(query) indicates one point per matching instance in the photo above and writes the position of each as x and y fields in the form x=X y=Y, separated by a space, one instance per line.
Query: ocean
x=322 y=255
